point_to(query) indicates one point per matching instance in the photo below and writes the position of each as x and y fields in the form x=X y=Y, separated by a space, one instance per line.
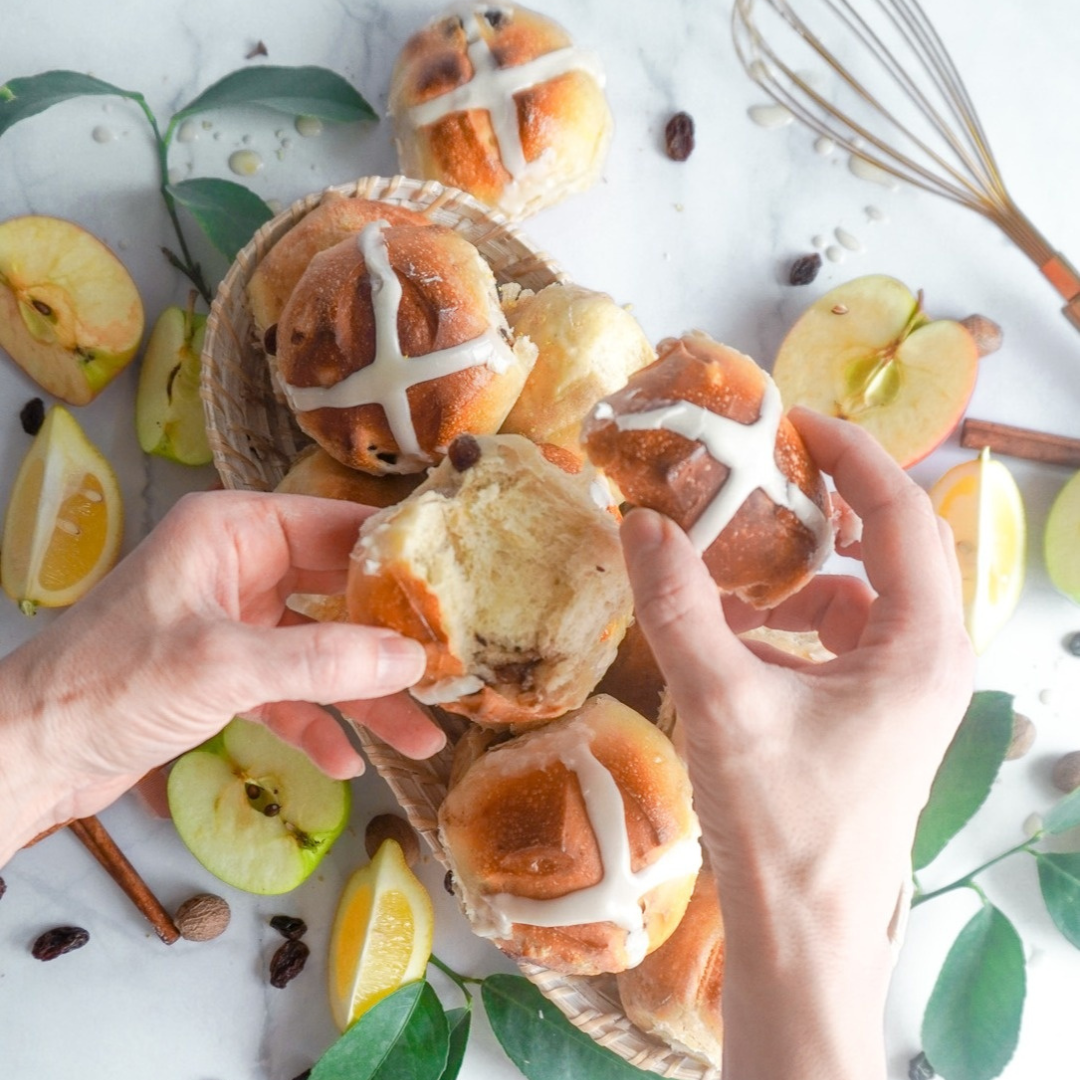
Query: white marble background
x=702 y=244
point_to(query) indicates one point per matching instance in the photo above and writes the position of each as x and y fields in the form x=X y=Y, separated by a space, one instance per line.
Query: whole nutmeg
x=1023 y=736
x=987 y=334
x=202 y=917
x=1066 y=774
x=392 y=827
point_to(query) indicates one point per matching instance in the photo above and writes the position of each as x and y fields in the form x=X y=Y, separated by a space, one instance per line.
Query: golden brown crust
x=315 y=472
x=765 y=552
x=517 y=823
x=327 y=332
x=675 y=992
x=335 y=218
x=564 y=123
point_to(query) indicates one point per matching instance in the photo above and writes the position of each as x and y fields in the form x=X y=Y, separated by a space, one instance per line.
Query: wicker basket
x=254 y=439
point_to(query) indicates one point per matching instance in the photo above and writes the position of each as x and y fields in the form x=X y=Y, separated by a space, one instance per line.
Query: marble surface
x=705 y=243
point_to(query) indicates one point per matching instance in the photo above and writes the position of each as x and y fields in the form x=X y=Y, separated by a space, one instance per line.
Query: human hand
x=189 y=630
x=809 y=778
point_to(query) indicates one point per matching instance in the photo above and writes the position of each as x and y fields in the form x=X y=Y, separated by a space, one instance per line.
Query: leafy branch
x=971 y=1026
x=227 y=213
x=410 y=1034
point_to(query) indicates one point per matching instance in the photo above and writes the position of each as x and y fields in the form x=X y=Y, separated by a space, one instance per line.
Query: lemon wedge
x=64 y=524
x=982 y=503
x=382 y=934
x=1061 y=541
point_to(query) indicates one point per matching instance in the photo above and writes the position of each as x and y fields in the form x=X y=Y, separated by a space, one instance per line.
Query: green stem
x=461 y=981
x=967 y=881
x=186 y=265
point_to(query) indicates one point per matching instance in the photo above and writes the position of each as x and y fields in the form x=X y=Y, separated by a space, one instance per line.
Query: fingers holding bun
x=700 y=436
x=496 y=99
x=393 y=343
x=575 y=845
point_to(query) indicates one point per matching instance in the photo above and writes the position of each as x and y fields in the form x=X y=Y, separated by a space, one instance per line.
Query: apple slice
x=866 y=351
x=254 y=811
x=982 y=504
x=70 y=314
x=1061 y=540
x=168 y=410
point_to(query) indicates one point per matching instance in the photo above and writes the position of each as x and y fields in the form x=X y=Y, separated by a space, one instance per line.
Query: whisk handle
x=1063 y=276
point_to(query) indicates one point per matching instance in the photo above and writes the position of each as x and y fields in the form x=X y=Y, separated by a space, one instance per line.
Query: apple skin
x=866 y=351
x=70 y=314
x=226 y=828
x=169 y=415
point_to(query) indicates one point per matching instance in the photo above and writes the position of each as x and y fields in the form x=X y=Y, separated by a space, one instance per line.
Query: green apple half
x=169 y=416
x=1061 y=540
x=70 y=314
x=866 y=351
x=253 y=810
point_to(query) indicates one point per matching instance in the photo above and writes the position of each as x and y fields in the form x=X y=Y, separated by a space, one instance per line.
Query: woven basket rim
x=254 y=439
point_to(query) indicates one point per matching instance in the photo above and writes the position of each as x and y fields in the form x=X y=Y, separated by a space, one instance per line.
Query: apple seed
x=272 y=809
x=839 y=309
x=253 y=791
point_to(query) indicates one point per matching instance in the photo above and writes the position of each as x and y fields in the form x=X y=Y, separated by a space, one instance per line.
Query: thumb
x=677 y=604
x=318 y=662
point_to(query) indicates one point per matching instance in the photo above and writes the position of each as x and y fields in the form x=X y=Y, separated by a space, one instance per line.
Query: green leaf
x=403 y=1037
x=23 y=97
x=972 y=1021
x=228 y=213
x=966 y=773
x=1059 y=880
x=300 y=91
x=1063 y=815
x=540 y=1041
x=460 y=1021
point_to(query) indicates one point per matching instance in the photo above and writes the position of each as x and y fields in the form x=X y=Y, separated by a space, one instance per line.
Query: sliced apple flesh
x=169 y=416
x=255 y=811
x=867 y=352
x=70 y=314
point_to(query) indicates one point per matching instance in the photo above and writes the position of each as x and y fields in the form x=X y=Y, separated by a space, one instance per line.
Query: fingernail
x=400 y=661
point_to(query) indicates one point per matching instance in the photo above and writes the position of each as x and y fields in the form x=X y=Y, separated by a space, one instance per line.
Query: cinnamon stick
x=101 y=845
x=1020 y=442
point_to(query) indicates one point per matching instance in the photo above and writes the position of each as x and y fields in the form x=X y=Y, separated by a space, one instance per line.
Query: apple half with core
x=866 y=351
x=70 y=314
x=1061 y=540
x=253 y=810
x=169 y=416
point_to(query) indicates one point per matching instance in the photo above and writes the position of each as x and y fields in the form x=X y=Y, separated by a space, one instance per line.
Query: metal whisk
x=911 y=116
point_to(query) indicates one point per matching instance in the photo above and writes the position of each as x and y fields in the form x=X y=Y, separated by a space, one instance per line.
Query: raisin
x=448 y=882
x=32 y=416
x=496 y=18
x=59 y=940
x=270 y=340
x=919 y=1068
x=289 y=926
x=3 y=886
x=804 y=269
x=304 y=1075
x=464 y=452
x=679 y=136
x=287 y=963
x=1072 y=643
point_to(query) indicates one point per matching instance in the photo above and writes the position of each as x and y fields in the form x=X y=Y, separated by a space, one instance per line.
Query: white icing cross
x=493 y=88
x=616 y=897
x=749 y=452
x=390 y=374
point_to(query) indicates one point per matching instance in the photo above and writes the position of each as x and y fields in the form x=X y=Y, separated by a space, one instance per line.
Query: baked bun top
x=575 y=845
x=393 y=343
x=315 y=472
x=495 y=99
x=700 y=436
x=336 y=217
x=509 y=572
x=587 y=346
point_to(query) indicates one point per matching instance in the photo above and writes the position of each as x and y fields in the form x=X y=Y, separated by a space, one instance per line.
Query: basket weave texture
x=254 y=440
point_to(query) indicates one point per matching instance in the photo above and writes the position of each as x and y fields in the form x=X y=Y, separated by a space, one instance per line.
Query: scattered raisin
x=804 y=269
x=258 y=50
x=448 y=882
x=1072 y=643
x=270 y=340
x=289 y=926
x=304 y=1075
x=3 y=886
x=679 y=136
x=919 y=1068
x=464 y=452
x=287 y=963
x=495 y=18
x=32 y=416
x=59 y=940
